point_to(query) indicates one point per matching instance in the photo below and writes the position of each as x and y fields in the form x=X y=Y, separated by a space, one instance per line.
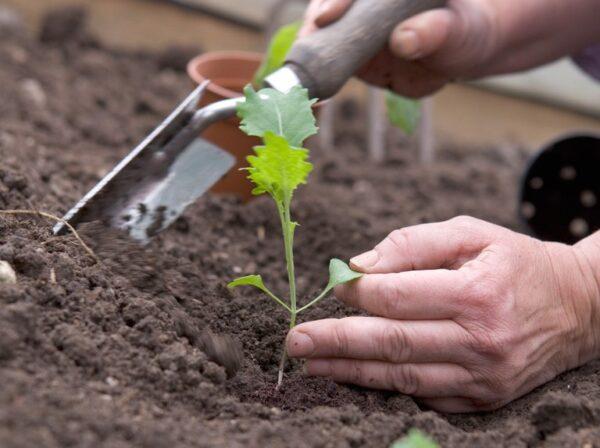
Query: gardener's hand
x=470 y=39
x=471 y=316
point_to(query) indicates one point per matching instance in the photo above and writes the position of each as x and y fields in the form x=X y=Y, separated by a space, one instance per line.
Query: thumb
x=424 y=34
x=446 y=245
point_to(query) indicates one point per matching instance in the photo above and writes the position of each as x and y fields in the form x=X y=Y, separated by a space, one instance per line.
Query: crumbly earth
x=149 y=348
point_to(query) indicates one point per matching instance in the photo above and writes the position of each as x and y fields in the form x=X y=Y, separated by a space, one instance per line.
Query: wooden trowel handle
x=325 y=60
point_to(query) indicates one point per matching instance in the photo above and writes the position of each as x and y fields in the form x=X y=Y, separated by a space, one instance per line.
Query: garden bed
x=120 y=354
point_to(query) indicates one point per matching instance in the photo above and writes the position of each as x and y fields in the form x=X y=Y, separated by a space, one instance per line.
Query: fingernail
x=407 y=45
x=365 y=261
x=299 y=345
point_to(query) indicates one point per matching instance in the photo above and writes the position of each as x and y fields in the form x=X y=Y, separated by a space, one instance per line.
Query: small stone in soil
x=7 y=273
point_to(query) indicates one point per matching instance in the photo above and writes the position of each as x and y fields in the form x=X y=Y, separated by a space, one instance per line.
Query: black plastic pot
x=560 y=191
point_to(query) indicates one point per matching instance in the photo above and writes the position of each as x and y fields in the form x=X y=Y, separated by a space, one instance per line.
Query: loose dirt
x=149 y=348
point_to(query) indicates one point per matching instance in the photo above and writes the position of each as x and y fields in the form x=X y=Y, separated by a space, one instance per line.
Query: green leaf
x=249 y=280
x=257 y=282
x=340 y=273
x=280 y=45
x=278 y=168
x=287 y=115
x=415 y=439
x=403 y=113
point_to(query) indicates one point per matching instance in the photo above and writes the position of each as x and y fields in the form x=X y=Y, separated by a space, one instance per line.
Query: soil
x=149 y=348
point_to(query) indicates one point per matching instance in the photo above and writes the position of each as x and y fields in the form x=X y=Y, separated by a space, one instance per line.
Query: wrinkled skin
x=470 y=39
x=467 y=316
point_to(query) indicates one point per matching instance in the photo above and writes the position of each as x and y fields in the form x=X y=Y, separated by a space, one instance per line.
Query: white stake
x=378 y=124
x=425 y=137
x=327 y=125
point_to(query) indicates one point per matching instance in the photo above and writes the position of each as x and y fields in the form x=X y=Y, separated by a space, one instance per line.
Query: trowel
x=172 y=167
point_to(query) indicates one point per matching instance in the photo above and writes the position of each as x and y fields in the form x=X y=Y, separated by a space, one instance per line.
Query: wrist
x=577 y=286
x=587 y=252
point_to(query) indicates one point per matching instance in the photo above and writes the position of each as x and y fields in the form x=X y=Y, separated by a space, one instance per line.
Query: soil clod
x=224 y=350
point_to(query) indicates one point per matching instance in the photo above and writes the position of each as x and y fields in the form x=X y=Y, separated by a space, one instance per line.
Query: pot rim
x=243 y=57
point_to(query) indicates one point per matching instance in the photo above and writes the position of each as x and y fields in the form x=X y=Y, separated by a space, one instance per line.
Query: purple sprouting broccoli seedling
x=278 y=168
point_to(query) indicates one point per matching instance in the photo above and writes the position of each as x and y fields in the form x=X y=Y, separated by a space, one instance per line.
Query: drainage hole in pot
x=536 y=183
x=579 y=227
x=528 y=210
x=588 y=199
x=568 y=173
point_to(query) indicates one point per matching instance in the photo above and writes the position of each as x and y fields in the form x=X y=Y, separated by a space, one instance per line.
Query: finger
x=321 y=13
x=420 y=380
x=450 y=405
x=374 y=338
x=412 y=295
x=423 y=35
x=407 y=78
x=309 y=25
x=332 y=10
x=454 y=405
x=447 y=244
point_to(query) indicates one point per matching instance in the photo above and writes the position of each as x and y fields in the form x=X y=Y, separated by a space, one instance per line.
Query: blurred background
x=526 y=110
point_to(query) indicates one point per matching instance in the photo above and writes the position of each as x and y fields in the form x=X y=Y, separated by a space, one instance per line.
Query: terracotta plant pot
x=229 y=72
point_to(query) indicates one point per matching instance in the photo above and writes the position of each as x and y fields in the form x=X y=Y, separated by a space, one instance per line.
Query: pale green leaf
x=257 y=282
x=415 y=439
x=280 y=45
x=403 y=113
x=340 y=273
x=278 y=168
x=249 y=280
x=288 y=115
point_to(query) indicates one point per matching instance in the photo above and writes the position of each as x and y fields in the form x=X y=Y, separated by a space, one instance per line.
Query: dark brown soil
x=130 y=352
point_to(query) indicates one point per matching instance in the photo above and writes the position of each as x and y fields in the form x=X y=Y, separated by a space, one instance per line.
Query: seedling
x=403 y=113
x=280 y=166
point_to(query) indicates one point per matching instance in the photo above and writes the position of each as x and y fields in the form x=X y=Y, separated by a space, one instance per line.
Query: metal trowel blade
x=150 y=188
